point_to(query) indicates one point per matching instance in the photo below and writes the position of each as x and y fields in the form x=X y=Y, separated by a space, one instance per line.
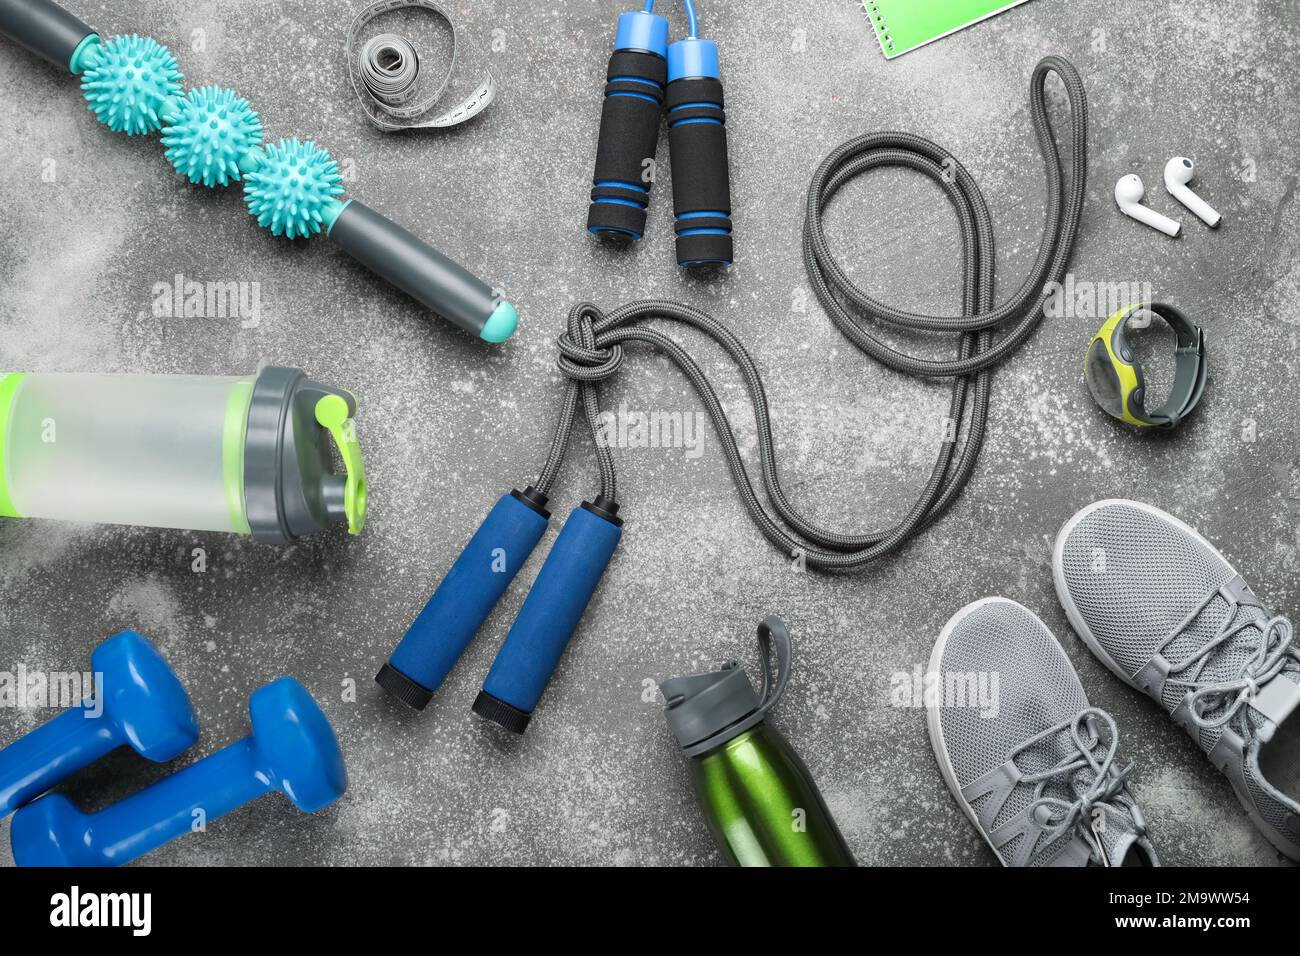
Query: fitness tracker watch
x=1115 y=377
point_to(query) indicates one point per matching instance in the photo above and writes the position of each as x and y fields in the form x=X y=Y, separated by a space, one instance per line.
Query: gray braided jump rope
x=592 y=346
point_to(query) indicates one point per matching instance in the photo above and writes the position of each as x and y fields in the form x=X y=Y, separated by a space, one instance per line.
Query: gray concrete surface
x=448 y=424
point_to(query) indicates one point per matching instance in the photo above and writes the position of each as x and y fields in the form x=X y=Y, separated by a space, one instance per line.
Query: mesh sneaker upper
x=1134 y=575
x=1037 y=689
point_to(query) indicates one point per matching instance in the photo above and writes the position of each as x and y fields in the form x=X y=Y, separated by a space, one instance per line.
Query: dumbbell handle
x=126 y=831
x=464 y=599
x=422 y=272
x=551 y=612
x=60 y=747
x=43 y=27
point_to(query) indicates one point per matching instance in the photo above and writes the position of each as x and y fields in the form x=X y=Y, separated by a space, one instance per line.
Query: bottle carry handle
x=333 y=414
x=772 y=633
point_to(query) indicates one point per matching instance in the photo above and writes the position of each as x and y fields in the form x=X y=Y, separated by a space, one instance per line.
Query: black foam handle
x=629 y=137
x=697 y=141
x=43 y=27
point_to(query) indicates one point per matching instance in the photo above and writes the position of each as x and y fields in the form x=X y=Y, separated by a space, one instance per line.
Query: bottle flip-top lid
x=706 y=710
x=290 y=488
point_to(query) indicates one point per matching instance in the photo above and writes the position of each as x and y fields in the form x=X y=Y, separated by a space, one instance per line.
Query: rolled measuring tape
x=1115 y=376
x=385 y=72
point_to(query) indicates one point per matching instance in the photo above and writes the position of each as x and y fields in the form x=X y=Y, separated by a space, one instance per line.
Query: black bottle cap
x=402 y=687
x=499 y=712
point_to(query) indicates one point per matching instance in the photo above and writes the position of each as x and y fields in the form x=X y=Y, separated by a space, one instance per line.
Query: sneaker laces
x=1267 y=660
x=1081 y=814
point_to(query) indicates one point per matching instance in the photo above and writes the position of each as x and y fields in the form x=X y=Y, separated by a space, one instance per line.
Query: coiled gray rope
x=591 y=348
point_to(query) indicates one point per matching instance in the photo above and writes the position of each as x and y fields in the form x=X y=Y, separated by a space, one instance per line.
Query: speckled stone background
x=448 y=424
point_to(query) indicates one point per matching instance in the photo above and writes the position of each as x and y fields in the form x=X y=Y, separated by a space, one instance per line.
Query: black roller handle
x=422 y=272
x=45 y=28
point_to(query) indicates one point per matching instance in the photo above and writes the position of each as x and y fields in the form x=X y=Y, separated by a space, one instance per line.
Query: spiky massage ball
x=130 y=82
x=292 y=191
x=212 y=135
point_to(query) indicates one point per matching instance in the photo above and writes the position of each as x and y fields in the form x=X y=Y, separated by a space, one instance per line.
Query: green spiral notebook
x=903 y=25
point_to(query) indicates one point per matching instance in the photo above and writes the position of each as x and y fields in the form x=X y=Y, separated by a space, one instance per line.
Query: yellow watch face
x=1111 y=380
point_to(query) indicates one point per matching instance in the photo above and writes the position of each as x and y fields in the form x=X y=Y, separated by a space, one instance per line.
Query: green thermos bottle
x=758 y=798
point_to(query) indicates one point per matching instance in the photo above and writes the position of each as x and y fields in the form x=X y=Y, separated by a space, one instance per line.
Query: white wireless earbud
x=1128 y=196
x=1178 y=173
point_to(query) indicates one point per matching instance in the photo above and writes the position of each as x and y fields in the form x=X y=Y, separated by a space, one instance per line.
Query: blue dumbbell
x=292 y=749
x=139 y=702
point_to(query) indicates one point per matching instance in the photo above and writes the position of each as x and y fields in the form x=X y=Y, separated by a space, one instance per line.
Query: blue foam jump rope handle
x=551 y=613
x=469 y=592
x=43 y=27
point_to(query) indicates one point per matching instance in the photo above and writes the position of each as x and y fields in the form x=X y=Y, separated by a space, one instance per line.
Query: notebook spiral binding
x=882 y=28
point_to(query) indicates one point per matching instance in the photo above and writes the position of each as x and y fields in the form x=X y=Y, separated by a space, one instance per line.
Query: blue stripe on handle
x=636 y=79
x=708 y=231
x=638 y=96
x=621 y=185
x=618 y=201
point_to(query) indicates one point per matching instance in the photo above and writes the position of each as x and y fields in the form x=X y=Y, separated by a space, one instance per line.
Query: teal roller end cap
x=501 y=324
x=86 y=53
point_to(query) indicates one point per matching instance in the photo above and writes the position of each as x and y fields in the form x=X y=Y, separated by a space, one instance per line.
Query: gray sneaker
x=1169 y=616
x=1029 y=762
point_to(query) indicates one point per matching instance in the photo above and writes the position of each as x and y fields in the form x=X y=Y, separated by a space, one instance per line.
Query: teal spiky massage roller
x=213 y=137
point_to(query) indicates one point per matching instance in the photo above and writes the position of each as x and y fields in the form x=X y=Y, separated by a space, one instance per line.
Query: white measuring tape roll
x=385 y=73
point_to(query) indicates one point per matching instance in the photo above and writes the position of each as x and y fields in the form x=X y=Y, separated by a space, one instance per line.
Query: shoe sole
x=1081 y=629
x=932 y=707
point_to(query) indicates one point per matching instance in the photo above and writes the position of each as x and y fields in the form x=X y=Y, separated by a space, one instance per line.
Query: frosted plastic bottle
x=246 y=455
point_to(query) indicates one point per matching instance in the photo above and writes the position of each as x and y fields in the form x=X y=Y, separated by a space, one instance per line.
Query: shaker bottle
x=246 y=455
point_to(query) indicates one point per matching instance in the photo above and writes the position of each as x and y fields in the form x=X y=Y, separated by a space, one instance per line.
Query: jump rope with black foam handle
x=213 y=137
x=592 y=351
x=648 y=78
